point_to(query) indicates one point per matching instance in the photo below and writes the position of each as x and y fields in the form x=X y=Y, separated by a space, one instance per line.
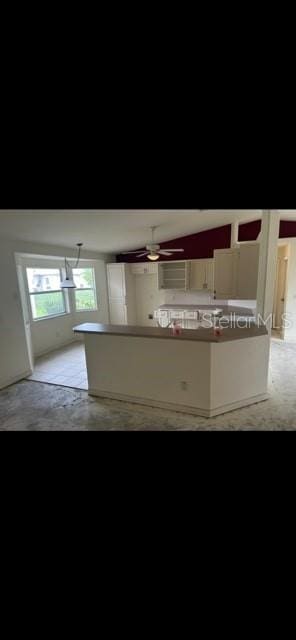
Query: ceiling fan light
x=153 y=256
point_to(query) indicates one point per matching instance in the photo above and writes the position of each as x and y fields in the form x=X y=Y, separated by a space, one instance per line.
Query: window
x=85 y=293
x=46 y=296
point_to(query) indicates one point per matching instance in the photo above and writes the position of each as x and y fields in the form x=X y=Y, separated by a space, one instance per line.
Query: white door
x=118 y=313
x=198 y=275
x=280 y=293
x=225 y=273
x=26 y=316
x=116 y=281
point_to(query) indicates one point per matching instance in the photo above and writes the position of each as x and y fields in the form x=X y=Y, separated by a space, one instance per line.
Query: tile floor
x=65 y=367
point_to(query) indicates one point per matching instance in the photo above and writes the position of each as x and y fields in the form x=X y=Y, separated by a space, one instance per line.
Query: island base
x=169 y=406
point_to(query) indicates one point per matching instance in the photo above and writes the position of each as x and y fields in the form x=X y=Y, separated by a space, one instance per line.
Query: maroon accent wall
x=251 y=230
x=198 y=245
x=288 y=229
x=202 y=245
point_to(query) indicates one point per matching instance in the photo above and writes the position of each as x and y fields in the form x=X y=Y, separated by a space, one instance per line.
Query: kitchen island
x=196 y=372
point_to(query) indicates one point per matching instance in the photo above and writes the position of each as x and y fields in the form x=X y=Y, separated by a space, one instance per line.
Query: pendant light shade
x=68 y=282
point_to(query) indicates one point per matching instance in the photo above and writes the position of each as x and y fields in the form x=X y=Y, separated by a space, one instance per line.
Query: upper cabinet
x=173 y=275
x=236 y=272
x=226 y=273
x=143 y=268
x=248 y=269
x=201 y=275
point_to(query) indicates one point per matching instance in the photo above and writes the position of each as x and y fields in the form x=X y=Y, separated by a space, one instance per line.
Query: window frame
x=93 y=288
x=40 y=293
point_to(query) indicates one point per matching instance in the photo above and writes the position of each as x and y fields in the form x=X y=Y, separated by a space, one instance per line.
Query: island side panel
x=168 y=371
x=239 y=372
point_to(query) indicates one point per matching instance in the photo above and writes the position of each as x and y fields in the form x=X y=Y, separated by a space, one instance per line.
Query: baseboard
x=227 y=408
x=55 y=348
x=203 y=413
x=14 y=379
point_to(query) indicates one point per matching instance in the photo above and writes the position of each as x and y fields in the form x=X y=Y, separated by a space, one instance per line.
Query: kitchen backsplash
x=189 y=297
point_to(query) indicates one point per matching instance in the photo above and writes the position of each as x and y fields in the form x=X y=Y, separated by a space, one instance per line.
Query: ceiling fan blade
x=169 y=252
x=143 y=254
x=126 y=253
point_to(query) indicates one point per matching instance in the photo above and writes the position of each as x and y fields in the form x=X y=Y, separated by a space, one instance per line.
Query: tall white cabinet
x=121 y=291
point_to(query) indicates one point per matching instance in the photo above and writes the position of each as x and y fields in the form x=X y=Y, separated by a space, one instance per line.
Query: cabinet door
x=210 y=275
x=226 y=273
x=144 y=268
x=198 y=275
x=248 y=271
x=116 y=281
x=118 y=313
x=137 y=269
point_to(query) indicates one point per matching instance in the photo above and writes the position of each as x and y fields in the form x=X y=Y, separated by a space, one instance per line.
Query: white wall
x=14 y=360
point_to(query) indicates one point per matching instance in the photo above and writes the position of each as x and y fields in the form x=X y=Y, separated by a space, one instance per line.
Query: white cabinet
x=173 y=276
x=116 y=281
x=121 y=291
x=118 y=313
x=236 y=272
x=201 y=275
x=210 y=275
x=143 y=268
x=248 y=268
x=226 y=273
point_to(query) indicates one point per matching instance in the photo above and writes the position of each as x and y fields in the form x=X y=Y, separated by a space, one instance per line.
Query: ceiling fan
x=153 y=251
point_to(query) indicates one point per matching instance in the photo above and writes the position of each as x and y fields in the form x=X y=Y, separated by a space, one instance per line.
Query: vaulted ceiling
x=116 y=230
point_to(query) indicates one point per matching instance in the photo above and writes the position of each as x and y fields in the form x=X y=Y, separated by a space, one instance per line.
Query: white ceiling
x=116 y=230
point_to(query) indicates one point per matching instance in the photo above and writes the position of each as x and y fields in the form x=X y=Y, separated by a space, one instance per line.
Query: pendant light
x=68 y=282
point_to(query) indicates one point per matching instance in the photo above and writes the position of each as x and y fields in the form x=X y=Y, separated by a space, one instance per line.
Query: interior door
x=280 y=292
x=26 y=316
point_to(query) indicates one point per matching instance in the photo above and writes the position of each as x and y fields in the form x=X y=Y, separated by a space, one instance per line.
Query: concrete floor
x=31 y=405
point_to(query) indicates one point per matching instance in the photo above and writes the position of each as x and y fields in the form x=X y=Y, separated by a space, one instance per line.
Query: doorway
x=279 y=306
